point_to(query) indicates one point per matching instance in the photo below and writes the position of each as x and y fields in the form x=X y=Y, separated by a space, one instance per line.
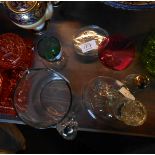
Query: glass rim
x=95 y=27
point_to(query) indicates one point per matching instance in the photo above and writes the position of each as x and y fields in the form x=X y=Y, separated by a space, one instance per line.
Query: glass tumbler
x=43 y=99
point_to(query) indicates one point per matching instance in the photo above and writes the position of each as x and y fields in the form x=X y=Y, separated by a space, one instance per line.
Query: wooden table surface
x=67 y=19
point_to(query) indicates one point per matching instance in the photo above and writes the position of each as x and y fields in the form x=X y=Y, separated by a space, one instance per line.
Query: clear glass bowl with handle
x=43 y=99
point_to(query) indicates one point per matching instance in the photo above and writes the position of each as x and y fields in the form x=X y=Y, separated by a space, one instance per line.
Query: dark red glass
x=16 y=55
x=118 y=54
x=12 y=48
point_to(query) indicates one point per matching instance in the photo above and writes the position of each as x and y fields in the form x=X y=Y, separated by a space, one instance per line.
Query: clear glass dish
x=43 y=99
x=108 y=99
x=87 y=39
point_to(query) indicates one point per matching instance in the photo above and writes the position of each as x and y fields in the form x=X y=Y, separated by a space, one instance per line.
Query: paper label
x=126 y=93
x=119 y=83
x=88 y=46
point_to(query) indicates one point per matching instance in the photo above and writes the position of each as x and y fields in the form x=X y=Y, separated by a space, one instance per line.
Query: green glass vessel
x=49 y=48
x=148 y=53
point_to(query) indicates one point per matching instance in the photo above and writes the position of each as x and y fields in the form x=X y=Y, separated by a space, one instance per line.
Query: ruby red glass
x=16 y=56
x=118 y=54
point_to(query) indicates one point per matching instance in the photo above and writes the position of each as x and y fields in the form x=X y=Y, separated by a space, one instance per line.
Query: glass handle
x=67 y=128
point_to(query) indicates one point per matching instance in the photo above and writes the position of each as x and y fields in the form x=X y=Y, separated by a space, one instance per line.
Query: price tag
x=126 y=93
x=88 y=46
x=119 y=83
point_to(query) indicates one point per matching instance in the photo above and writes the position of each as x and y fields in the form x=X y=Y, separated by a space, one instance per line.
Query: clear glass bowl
x=43 y=99
x=106 y=98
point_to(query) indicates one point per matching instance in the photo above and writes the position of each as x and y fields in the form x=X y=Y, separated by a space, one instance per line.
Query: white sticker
x=88 y=46
x=126 y=93
x=119 y=83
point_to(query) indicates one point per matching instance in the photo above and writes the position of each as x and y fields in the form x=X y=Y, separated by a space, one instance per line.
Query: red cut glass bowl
x=12 y=50
x=16 y=56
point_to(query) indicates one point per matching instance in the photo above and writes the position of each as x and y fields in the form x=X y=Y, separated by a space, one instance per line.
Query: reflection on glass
x=87 y=40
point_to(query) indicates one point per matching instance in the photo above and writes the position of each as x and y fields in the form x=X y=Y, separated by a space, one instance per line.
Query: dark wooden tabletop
x=66 y=20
